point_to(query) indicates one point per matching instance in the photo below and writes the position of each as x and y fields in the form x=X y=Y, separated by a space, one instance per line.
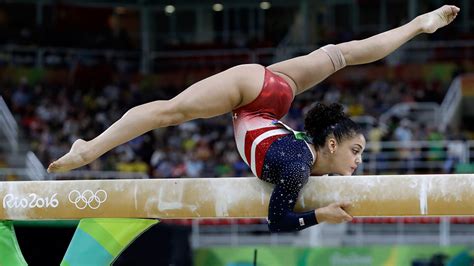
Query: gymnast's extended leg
x=210 y=97
x=306 y=71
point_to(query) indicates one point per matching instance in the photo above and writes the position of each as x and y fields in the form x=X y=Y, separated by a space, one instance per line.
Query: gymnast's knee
x=170 y=113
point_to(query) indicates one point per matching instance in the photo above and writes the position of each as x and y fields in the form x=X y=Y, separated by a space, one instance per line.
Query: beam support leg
x=101 y=241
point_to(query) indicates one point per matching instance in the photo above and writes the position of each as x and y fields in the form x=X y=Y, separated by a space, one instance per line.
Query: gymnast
x=258 y=97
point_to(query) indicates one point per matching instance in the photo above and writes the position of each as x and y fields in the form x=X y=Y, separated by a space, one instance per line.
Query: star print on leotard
x=289 y=173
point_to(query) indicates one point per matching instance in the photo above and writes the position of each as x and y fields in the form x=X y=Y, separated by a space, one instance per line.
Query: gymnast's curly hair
x=324 y=120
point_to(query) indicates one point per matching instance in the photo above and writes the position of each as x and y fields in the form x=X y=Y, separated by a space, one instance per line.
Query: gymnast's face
x=345 y=156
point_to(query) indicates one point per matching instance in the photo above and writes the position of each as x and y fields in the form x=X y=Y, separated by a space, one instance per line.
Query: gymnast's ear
x=331 y=144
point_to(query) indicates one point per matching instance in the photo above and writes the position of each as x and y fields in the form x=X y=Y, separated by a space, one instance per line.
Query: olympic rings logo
x=87 y=198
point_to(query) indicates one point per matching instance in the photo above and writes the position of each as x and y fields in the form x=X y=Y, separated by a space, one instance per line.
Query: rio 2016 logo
x=11 y=201
x=87 y=198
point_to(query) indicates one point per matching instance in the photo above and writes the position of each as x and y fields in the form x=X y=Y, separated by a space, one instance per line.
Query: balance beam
x=384 y=195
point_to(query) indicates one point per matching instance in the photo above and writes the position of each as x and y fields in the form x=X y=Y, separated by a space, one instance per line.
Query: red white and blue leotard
x=254 y=130
x=274 y=152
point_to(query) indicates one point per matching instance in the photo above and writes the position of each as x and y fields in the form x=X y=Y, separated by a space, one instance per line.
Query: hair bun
x=322 y=120
x=323 y=116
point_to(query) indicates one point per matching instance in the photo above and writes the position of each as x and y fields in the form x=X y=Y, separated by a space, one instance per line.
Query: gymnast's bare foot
x=438 y=18
x=76 y=157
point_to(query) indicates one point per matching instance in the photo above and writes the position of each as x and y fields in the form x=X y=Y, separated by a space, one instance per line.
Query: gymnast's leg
x=210 y=97
x=306 y=71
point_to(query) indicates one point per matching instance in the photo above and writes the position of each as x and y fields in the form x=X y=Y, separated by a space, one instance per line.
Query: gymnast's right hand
x=334 y=213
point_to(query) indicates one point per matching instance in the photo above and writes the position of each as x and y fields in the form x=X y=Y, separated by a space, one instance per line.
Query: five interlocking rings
x=87 y=198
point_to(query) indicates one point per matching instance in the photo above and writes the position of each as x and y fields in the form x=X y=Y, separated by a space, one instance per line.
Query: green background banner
x=328 y=256
x=10 y=253
x=99 y=241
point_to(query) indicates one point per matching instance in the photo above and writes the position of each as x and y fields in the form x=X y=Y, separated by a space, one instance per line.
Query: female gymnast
x=258 y=97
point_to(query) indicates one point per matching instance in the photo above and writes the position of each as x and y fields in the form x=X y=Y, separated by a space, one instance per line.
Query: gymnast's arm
x=281 y=217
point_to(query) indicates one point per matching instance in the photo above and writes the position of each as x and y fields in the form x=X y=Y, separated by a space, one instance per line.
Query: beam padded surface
x=390 y=195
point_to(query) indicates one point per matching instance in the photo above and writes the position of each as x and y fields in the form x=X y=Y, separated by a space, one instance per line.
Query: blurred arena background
x=68 y=69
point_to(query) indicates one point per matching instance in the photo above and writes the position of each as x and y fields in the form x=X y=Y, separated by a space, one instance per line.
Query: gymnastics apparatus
x=113 y=213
